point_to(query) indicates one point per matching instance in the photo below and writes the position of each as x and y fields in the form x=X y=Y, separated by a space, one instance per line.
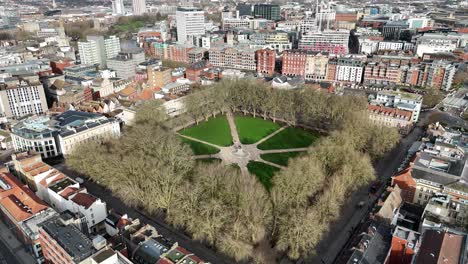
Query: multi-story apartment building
x=384 y=73
x=179 y=52
x=390 y=45
x=278 y=41
x=96 y=50
x=234 y=58
x=118 y=7
x=196 y=55
x=139 y=7
x=125 y=63
x=62 y=242
x=392 y=29
x=335 y=42
x=158 y=77
x=59 y=135
x=316 y=66
x=348 y=69
x=190 y=22
x=267 y=11
x=440 y=75
x=390 y=117
x=266 y=61
x=436 y=42
x=401 y=100
x=294 y=62
x=21 y=96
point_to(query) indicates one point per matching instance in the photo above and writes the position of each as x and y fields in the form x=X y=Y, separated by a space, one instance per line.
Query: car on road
x=79 y=180
x=374 y=187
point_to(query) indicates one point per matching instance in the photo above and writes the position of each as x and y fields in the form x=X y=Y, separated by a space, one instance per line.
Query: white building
x=190 y=22
x=436 y=42
x=139 y=7
x=118 y=7
x=389 y=45
x=59 y=191
x=335 y=42
x=401 y=100
x=22 y=96
x=96 y=50
x=59 y=135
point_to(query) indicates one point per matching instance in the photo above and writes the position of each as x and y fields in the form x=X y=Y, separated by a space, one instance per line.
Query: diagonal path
x=232 y=125
x=270 y=136
x=271 y=163
x=282 y=150
x=199 y=140
x=206 y=156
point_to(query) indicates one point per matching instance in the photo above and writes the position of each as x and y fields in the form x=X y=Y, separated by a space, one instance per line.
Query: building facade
x=233 y=58
x=335 y=42
x=59 y=135
x=190 y=22
x=22 y=96
x=96 y=50
x=266 y=61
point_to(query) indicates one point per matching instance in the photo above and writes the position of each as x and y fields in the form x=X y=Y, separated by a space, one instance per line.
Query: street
x=351 y=216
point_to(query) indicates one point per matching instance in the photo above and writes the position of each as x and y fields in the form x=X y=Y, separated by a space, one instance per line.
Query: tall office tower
x=139 y=7
x=190 y=22
x=244 y=9
x=96 y=50
x=118 y=7
x=267 y=11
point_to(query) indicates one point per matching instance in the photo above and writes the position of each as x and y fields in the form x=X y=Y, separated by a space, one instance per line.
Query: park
x=259 y=146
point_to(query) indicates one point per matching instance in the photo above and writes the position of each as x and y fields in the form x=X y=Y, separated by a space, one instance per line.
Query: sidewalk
x=16 y=248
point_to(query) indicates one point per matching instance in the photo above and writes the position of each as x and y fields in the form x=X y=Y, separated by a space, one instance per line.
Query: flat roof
x=72 y=240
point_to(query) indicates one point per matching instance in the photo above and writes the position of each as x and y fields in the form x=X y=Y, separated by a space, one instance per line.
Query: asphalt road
x=6 y=256
x=196 y=247
x=330 y=247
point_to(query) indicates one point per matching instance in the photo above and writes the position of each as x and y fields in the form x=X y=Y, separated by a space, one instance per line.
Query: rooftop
x=17 y=199
x=402 y=94
x=65 y=124
x=75 y=243
x=442 y=247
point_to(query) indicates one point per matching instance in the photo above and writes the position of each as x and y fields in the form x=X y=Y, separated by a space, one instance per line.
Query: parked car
x=79 y=180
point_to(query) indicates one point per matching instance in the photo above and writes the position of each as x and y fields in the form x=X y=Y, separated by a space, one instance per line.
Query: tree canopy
x=231 y=211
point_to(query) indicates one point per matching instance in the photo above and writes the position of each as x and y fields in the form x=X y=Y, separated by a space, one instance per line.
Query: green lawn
x=252 y=129
x=215 y=131
x=264 y=172
x=199 y=148
x=280 y=158
x=290 y=137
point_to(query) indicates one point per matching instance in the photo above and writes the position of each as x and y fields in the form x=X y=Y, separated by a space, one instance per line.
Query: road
x=199 y=249
x=6 y=256
x=351 y=216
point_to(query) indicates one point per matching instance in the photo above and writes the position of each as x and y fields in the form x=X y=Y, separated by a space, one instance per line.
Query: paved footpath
x=12 y=250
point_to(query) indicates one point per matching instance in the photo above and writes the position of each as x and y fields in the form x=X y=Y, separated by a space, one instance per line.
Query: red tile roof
x=84 y=199
x=388 y=111
x=19 y=200
x=67 y=192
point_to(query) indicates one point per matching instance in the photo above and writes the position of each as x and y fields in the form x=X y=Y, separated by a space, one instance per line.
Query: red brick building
x=196 y=70
x=266 y=61
x=179 y=53
x=64 y=243
x=58 y=65
x=294 y=62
